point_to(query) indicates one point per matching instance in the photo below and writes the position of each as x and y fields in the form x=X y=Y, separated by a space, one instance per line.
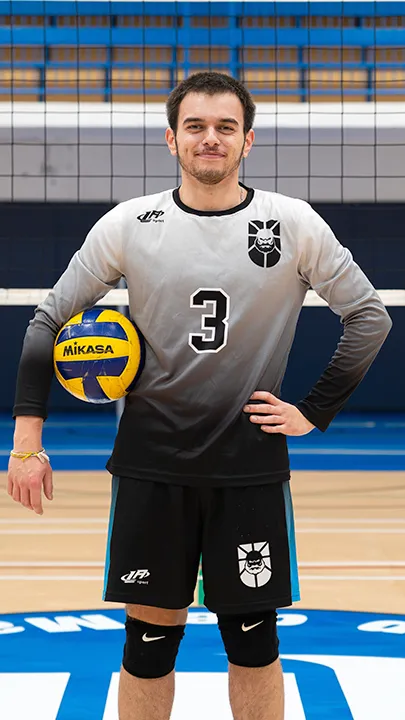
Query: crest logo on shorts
x=254 y=564
x=264 y=245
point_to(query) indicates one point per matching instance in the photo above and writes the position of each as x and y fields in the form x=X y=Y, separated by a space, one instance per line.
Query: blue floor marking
x=317 y=640
x=353 y=442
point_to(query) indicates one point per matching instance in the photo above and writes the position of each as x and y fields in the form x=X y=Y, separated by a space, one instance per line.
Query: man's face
x=210 y=142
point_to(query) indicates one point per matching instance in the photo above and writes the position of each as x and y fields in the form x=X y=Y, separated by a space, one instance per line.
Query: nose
x=211 y=137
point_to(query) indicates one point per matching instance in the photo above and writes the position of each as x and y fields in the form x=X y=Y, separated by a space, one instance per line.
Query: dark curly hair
x=210 y=83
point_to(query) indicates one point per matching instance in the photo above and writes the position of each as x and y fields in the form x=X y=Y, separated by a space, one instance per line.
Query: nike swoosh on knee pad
x=145 y=638
x=246 y=628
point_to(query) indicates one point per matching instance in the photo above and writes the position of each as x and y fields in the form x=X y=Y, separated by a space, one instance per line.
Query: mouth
x=211 y=156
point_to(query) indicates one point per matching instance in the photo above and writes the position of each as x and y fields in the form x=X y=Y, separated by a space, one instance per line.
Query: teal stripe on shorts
x=114 y=493
x=289 y=516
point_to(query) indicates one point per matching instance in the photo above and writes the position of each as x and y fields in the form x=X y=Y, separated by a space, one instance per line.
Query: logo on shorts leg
x=136 y=576
x=254 y=564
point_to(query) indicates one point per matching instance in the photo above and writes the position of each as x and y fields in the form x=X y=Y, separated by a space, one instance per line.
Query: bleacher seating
x=327 y=84
x=64 y=84
x=128 y=52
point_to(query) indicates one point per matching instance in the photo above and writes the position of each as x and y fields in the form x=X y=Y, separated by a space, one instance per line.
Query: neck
x=222 y=196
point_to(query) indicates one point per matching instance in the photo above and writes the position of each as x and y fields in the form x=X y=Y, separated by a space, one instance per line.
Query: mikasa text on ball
x=98 y=355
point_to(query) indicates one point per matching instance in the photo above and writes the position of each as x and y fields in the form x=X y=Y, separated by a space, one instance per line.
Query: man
x=216 y=282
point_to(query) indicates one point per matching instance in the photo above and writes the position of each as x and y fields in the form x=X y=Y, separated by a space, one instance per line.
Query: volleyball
x=98 y=355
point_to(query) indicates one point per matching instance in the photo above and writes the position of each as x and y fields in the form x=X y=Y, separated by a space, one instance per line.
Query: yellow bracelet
x=41 y=455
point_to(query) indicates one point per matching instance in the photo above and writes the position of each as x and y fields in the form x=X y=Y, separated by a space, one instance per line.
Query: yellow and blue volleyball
x=98 y=355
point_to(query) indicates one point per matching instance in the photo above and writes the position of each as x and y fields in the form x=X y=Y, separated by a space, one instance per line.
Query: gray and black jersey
x=216 y=295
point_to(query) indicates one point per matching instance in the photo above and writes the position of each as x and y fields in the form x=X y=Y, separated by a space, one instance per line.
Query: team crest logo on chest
x=264 y=245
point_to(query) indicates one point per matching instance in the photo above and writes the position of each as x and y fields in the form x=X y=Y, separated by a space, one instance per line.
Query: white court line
x=36 y=695
x=350 y=563
x=33 y=296
x=39 y=530
x=53 y=564
x=55 y=531
x=348 y=521
x=350 y=531
x=95 y=521
x=52 y=578
x=83 y=578
x=352 y=577
x=303 y=564
x=51 y=521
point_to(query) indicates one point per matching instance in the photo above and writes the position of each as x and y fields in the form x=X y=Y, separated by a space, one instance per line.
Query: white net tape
x=119 y=297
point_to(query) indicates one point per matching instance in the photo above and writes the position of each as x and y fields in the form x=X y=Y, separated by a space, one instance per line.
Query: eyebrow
x=222 y=120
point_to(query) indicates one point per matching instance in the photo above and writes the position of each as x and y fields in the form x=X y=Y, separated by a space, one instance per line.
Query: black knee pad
x=150 y=650
x=250 y=640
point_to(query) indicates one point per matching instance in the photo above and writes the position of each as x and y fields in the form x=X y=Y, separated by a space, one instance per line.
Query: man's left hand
x=275 y=416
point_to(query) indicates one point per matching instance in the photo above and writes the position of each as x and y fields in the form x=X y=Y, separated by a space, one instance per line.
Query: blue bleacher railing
x=373 y=25
x=194 y=9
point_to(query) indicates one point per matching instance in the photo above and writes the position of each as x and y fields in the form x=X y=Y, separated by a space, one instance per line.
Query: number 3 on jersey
x=214 y=325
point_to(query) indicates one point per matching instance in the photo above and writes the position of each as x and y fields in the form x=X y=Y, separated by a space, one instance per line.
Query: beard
x=209 y=176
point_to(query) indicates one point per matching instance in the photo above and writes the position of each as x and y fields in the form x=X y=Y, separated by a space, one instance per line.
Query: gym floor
x=349 y=496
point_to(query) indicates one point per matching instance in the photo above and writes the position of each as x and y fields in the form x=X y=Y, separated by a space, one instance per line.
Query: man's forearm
x=28 y=433
x=363 y=337
x=35 y=369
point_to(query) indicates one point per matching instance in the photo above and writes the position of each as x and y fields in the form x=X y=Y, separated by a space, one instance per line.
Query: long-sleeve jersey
x=216 y=295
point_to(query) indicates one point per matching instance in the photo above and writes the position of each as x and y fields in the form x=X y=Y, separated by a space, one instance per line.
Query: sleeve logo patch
x=151 y=216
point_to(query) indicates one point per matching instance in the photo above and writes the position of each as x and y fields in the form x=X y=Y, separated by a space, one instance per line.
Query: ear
x=249 y=139
x=171 y=141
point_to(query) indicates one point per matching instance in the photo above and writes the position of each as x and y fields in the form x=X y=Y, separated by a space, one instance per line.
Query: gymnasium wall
x=38 y=239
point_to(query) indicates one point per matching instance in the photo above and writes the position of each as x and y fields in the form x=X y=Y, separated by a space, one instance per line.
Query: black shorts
x=244 y=537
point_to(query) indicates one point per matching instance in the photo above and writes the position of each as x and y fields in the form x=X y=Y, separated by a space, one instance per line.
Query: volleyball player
x=217 y=273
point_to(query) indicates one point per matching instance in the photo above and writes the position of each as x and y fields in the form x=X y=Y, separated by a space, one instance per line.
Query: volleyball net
x=82 y=120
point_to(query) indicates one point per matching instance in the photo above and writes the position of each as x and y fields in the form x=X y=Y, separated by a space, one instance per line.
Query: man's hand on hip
x=275 y=416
